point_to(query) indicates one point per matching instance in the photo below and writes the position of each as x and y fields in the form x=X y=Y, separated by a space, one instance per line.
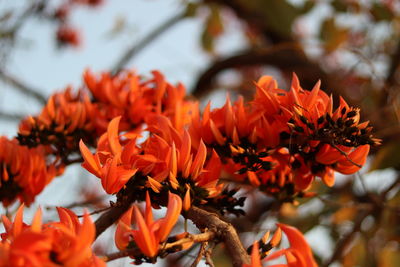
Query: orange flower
x=67 y=35
x=65 y=243
x=149 y=233
x=158 y=160
x=226 y=125
x=111 y=164
x=24 y=173
x=255 y=257
x=174 y=158
x=64 y=120
x=319 y=139
x=299 y=253
x=128 y=96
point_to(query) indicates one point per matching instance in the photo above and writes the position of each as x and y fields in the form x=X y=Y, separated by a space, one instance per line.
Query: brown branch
x=394 y=65
x=223 y=230
x=288 y=57
x=345 y=155
x=136 y=48
x=344 y=243
x=95 y=212
x=21 y=87
x=208 y=254
x=121 y=254
x=377 y=205
x=111 y=216
x=199 y=238
x=125 y=198
x=11 y=116
x=200 y=254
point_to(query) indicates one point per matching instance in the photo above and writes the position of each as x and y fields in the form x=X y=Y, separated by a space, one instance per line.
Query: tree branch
x=287 y=57
x=136 y=48
x=21 y=87
x=223 y=230
x=203 y=237
x=110 y=217
x=11 y=116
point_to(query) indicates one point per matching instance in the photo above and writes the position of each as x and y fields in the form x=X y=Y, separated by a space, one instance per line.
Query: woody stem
x=223 y=231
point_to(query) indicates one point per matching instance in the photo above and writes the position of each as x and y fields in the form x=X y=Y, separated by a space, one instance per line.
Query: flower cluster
x=24 y=172
x=156 y=146
x=166 y=163
x=64 y=121
x=69 y=117
x=278 y=142
x=284 y=139
x=63 y=243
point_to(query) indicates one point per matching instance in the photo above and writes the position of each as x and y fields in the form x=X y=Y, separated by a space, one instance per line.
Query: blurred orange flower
x=24 y=172
x=65 y=243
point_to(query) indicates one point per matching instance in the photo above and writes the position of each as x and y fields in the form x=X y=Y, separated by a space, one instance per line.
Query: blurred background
x=219 y=46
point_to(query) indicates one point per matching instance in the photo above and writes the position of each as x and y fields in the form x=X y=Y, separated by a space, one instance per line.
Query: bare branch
x=223 y=230
x=288 y=57
x=110 y=217
x=200 y=254
x=136 y=48
x=22 y=87
x=208 y=254
x=203 y=237
x=11 y=116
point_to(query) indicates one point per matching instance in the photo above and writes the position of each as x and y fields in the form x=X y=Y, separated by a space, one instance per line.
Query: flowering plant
x=196 y=164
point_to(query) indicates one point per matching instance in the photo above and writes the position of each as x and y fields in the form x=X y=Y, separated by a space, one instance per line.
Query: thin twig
x=22 y=87
x=344 y=243
x=86 y=202
x=199 y=238
x=362 y=182
x=286 y=56
x=110 y=217
x=208 y=254
x=345 y=155
x=199 y=254
x=11 y=116
x=134 y=50
x=96 y=211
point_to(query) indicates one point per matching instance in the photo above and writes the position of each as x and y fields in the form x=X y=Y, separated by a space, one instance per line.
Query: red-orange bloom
x=148 y=233
x=24 y=173
x=127 y=95
x=299 y=253
x=168 y=158
x=65 y=243
x=111 y=164
x=64 y=120
x=319 y=139
x=67 y=35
